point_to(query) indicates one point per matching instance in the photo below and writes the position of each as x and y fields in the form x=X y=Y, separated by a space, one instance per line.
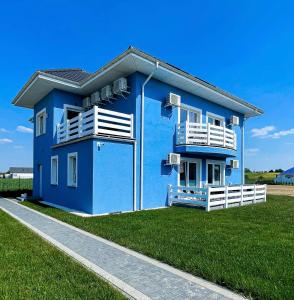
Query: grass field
x=8 y=184
x=249 y=249
x=32 y=269
x=266 y=177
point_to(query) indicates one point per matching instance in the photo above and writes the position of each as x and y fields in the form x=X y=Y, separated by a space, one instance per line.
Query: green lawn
x=258 y=177
x=32 y=269
x=248 y=249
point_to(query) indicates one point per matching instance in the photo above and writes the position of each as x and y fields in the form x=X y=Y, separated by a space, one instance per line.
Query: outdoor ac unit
x=234 y=120
x=86 y=102
x=173 y=100
x=173 y=159
x=234 y=164
x=120 y=85
x=95 y=98
x=106 y=92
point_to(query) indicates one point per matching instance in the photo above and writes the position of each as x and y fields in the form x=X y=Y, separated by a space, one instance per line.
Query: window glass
x=193 y=117
x=192 y=174
x=54 y=170
x=72 y=170
x=210 y=174
x=183 y=167
x=217 y=175
x=183 y=116
x=72 y=114
x=217 y=122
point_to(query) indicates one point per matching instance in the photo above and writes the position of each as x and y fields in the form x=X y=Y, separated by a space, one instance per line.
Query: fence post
x=254 y=197
x=208 y=199
x=241 y=203
x=226 y=196
x=208 y=133
x=265 y=188
x=169 y=190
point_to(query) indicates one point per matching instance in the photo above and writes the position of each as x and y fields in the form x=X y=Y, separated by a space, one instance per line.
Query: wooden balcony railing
x=205 y=135
x=96 y=121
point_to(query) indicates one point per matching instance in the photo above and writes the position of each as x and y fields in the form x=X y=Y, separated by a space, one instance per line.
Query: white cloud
x=282 y=133
x=262 y=132
x=251 y=151
x=24 y=129
x=5 y=141
x=3 y=130
x=18 y=147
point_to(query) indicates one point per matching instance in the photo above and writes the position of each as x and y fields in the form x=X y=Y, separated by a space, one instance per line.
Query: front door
x=189 y=173
x=40 y=181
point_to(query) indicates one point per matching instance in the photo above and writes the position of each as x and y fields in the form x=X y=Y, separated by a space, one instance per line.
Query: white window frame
x=67 y=107
x=41 y=112
x=222 y=172
x=189 y=108
x=215 y=116
x=198 y=173
x=69 y=176
x=55 y=157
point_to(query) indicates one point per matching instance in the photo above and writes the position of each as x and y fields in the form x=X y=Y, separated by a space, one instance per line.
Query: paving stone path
x=136 y=275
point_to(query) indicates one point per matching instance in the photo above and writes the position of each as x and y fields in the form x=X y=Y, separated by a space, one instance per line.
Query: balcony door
x=189 y=172
x=189 y=114
x=215 y=173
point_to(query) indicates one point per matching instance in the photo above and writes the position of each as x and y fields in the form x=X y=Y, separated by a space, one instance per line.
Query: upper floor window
x=190 y=115
x=215 y=119
x=72 y=169
x=41 y=122
x=54 y=170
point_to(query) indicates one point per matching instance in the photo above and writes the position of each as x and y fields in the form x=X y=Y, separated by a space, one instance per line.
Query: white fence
x=96 y=121
x=205 y=134
x=217 y=197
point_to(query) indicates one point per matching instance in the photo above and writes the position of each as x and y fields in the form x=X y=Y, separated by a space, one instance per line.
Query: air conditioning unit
x=173 y=159
x=173 y=100
x=86 y=102
x=106 y=93
x=234 y=164
x=234 y=120
x=120 y=86
x=95 y=98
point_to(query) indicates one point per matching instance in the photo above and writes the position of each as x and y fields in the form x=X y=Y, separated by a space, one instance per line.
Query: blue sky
x=244 y=47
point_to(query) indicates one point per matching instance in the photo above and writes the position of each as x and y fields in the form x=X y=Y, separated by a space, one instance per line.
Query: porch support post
x=243 y=152
x=208 y=199
x=226 y=196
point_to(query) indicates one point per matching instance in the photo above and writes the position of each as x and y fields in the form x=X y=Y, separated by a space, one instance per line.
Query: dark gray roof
x=76 y=75
x=20 y=170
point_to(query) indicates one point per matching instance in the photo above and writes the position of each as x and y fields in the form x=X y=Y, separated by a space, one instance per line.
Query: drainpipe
x=142 y=136
x=243 y=150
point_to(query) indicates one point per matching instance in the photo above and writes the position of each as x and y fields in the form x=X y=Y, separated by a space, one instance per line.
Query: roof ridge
x=64 y=70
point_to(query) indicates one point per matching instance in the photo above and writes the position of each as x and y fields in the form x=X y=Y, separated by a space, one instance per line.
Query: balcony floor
x=206 y=150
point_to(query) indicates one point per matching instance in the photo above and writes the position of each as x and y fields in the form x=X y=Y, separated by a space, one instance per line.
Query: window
x=215 y=173
x=189 y=172
x=54 y=170
x=215 y=120
x=190 y=115
x=41 y=122
x=71 y=111
x=72 y=169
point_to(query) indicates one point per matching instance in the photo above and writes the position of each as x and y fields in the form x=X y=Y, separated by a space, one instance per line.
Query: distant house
x=17 y=172
x=286 y=177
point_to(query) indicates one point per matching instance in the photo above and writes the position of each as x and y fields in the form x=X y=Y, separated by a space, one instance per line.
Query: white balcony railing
x=217 y=197
x=205 y=135
x=96 y=121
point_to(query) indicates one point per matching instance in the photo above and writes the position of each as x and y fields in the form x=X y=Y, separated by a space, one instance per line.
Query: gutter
x=142 y=135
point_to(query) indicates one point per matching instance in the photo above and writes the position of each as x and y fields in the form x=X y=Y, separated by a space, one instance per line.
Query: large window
x=41 y=122
x=189 y=173
x=54 y=170
x=215 y=119
x=72 y=169
x=190 y=115
x=215 y=173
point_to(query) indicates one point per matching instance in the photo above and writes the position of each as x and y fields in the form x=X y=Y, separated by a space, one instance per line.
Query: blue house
x=137 y=134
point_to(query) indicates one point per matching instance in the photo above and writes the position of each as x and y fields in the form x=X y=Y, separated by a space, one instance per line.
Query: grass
x=247 y=249
x=32 y=269
x=260 y=177
x=9 y=184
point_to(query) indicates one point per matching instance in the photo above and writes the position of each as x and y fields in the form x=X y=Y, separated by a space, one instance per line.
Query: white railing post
x=208 y=133
x=254 y=196
x=265 y=187
x=226 y=196
x=224 y=135
x=208 y=199
x=241 y=203
x=80 y=124
x=67 y=130
x=95 y=119
x=169 y=191
x=186 y=133
x=132 y=126
x=58 y=133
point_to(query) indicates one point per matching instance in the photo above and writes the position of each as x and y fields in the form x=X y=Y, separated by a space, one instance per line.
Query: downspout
x=142 y=135
x=243 y=151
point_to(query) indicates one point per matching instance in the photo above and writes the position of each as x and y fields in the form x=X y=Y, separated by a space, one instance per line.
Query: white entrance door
x=189 y=173
x=40 y=181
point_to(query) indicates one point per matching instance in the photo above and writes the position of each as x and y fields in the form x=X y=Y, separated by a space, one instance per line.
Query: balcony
x=217 y=197
x=96 y=121
x=217 y=140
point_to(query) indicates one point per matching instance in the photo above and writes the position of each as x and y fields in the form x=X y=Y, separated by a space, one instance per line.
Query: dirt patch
x=285 y=190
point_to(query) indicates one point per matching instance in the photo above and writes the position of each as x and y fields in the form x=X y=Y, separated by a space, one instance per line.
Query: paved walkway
x=136 y=275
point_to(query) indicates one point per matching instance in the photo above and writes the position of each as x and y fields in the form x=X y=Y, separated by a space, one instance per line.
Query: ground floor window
x=189 y=173
x=215 y=173
x=54 y=170
x=72 y=169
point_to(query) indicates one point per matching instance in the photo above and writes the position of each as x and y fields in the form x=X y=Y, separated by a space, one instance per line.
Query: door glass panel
x=183 y=168
x=217 y=175
x=193 y=117
x=217 y=122
x=210 y=121
x=183 y=116
x=192 y=174
x=210 y=174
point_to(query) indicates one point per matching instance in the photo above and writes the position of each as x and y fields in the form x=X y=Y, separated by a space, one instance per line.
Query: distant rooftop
x=20 y=170
x=288 y=172
x=76 y=75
